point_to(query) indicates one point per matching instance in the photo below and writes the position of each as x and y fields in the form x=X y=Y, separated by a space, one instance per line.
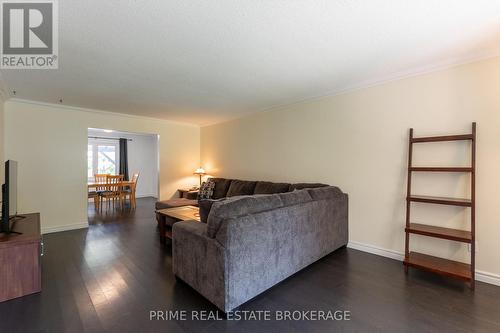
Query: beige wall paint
x=50 y=144
x=358 y=141
x=2 y=132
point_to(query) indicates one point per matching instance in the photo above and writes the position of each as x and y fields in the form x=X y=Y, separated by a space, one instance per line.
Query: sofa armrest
x=190 y=229
x=199 y=260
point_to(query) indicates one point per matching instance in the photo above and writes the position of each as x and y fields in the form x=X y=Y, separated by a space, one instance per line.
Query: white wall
x=358 y=141
x=142 y=159
x=50 y=144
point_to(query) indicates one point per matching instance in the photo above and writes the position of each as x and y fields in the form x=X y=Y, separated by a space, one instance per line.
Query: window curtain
x=123 y=158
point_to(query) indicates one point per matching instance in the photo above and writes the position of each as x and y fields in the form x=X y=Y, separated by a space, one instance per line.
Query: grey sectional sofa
x=225 y=187
x=250 y=243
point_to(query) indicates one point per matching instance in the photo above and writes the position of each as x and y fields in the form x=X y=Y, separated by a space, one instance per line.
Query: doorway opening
x=121 y=168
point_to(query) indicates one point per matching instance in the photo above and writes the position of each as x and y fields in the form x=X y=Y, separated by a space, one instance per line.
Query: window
x=102 y=157
x=90 y=162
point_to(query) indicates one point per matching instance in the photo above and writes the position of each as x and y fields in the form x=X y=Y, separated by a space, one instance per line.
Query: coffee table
x=169 y=216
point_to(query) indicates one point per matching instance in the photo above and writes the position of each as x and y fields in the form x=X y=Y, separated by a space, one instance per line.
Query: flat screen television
x=9 y=195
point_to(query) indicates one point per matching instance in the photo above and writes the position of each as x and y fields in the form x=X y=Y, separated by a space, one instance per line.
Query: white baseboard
x=488 y=277
x=48 y=230
x=153 y=195
x=482 y=276
x=376 y=250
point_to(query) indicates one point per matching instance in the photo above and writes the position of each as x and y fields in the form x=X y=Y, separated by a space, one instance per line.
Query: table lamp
x=200 y=172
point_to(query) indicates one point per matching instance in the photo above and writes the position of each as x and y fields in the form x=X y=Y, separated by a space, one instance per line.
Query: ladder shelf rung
x=442 y=169
x=459 y=137
x=455 y=269
x=440 y=232
x=440 y=200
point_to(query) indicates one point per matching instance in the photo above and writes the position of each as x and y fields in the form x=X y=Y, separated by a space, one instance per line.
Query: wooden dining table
x=105 y=186
x=93 y=185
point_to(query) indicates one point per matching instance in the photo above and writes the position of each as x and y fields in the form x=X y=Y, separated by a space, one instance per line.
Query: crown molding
x=417 y=71
x=373 y=82
x=96 y=111
x=379 y=81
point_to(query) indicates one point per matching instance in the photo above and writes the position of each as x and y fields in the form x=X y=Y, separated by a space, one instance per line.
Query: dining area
x=115 y=159
x=113 y=192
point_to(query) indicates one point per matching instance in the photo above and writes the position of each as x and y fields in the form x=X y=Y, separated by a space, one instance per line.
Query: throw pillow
x=206 y=190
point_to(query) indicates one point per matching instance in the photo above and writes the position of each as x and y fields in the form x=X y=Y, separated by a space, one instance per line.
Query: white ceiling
x=204 y=61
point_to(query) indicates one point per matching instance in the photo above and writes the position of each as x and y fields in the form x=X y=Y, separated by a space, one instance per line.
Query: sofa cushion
x=205 y=207
x=301 y=186
x=295 y=197
x=241 y=187
x=239 y=206
x=271 y=188
x=191 y=195
x=221 y=187
x=329 y=192
x=175 y=203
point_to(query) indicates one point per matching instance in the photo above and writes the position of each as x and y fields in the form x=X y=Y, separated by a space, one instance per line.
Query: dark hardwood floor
x=108 y=277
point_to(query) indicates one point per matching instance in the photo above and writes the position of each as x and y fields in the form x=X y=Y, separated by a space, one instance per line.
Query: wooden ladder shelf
x=437 y=265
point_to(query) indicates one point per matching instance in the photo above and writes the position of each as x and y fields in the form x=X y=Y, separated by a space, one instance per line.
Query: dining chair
x=94 y=195
x=100 y=178
x=113 y=190
x=130 y=191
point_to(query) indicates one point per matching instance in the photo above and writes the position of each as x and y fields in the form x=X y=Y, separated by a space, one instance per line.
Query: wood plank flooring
x=108 y=277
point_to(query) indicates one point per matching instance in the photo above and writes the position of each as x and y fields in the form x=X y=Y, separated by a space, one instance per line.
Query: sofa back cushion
x=241 y=187
x=271 y=188
x=328 y=192
x=295 y=197
x=239 y=206
x=221 y=187
x=205 y=206
x=301 y=186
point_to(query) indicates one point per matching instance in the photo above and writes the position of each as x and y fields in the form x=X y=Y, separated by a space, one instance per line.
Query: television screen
x=11 y=181
x=9 y=195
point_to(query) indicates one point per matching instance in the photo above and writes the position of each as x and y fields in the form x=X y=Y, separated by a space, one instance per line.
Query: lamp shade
x=200 y=171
